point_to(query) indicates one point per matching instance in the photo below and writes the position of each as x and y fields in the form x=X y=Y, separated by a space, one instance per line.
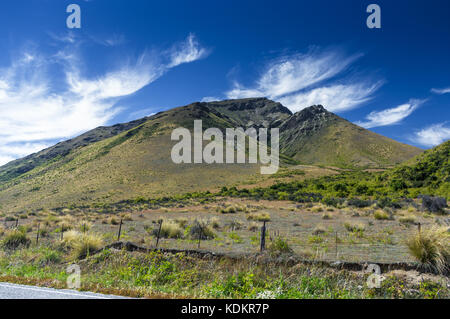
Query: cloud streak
x=187 y=51
x=37 y=110
x=336 y=98
x=391 y=116
x=432 y=135
x=441 y=91
x=298 y=81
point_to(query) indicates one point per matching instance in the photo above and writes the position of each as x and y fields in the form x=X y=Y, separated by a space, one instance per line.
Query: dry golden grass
x=169 y=229
x=260 y=217
x=380 y=215
x=431 y=247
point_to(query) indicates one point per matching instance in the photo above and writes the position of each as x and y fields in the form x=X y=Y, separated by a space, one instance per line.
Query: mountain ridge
x=110 y=164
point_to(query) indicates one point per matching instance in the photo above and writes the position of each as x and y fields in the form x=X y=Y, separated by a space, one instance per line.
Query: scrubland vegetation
x=398 y=215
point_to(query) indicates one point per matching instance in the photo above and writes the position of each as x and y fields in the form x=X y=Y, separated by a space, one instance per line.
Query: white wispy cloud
x=441 y=91
x=187 y=51
x=298 y=81
x=336 y=98
x=210 y=99
x=36 y=109
x=391 y=116
x=432 y=135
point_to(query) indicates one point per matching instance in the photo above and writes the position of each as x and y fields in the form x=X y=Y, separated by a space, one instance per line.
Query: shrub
x=434 y=204
x=380 y=215
x=327 y=216
x=15 y=239
x=49 y=256
x=431 y=248
x=356 y=202
x=279 y=246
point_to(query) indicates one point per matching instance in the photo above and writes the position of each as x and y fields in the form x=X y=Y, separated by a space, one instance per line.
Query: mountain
x=125 y=161
x=316 y=136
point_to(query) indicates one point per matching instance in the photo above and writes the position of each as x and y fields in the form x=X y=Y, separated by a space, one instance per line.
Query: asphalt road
x=13 y=291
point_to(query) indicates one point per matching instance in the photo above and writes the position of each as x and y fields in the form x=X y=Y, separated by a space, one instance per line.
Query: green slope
x=428 y=173
x=131 y=160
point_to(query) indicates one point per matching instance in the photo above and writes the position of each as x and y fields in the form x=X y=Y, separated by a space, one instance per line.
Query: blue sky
x=134 y=58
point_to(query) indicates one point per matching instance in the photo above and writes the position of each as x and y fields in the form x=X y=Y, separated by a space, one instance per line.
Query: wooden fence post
x=120 y=230
x=419 y=227
x=159 y=232
x=200 y=235
x=37 y=234
x=336 y=248
x=263 y=237
x=17 y=223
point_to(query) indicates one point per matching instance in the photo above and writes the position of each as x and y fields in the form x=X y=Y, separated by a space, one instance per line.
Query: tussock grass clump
x=380 y=215
x=229 y=210
x=431 y=248
x=319 y=230
x=260 y=217
x=317 y=209
x=407 y=220
x=70 y=237
x=182 y=221
x=15 y=239
x=327 y=216
x=253 y=227
x=85 y=244
x=169 y=229
x=235 y=224
x=201 y=229
x=44 y=232
x=126 y=217
x=355 y=228
x=66 y=224
x=113 y=220
x=214 y=222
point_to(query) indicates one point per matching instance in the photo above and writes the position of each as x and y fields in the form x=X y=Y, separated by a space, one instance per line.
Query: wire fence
x=331 y=250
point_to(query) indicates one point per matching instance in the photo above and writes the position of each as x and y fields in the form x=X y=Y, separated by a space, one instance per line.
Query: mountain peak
x=253 y=111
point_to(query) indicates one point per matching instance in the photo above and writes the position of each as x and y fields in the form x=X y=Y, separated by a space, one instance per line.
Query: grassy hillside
x=132 y=160
x=129 y=165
